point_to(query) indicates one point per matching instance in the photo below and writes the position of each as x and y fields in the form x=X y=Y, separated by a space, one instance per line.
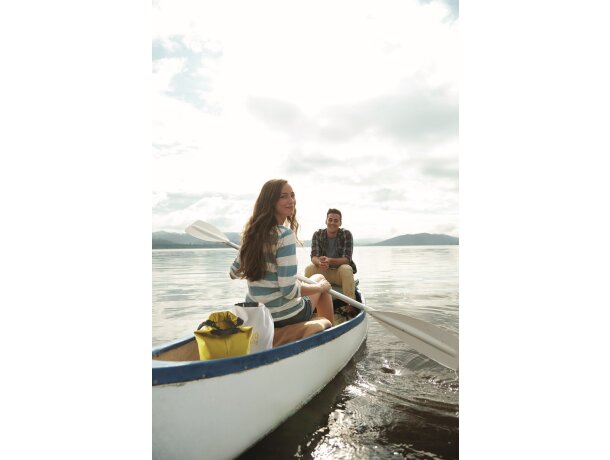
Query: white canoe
x=217 y=409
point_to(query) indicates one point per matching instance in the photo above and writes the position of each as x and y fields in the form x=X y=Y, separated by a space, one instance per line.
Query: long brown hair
x=259 y=236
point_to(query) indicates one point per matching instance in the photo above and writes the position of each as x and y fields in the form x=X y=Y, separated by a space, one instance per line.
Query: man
x=331 y=254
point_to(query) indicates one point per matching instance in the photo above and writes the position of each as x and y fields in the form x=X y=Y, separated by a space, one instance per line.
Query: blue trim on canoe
x=166 y=372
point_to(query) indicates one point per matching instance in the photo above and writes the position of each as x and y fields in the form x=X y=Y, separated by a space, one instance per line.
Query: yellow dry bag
x=222 y=335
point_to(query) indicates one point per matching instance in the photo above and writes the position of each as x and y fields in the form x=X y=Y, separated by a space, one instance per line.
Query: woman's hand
x=324 y=285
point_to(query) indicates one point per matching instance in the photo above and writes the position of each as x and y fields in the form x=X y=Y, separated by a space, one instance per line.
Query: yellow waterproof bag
x=222 y=335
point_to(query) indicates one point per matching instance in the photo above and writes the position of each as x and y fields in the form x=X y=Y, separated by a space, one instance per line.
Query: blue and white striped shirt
x=279 y=290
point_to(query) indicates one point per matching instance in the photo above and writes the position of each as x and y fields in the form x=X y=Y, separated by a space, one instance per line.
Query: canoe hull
x=222 y=416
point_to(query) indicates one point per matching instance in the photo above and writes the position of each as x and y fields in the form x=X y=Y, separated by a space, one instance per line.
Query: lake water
x=389 y=401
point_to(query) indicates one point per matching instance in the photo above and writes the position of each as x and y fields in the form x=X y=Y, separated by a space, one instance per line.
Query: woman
x=268 y=261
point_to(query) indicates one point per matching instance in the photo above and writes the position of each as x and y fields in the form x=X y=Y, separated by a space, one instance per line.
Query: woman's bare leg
x=322 y=302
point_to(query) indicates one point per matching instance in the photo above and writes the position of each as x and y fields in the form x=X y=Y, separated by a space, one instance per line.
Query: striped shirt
x=279 y=290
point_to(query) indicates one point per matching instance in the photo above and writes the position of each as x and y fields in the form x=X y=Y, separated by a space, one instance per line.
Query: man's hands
x=324 y=263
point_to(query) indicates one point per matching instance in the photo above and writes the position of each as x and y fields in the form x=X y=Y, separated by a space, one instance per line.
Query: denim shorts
x=304 y=315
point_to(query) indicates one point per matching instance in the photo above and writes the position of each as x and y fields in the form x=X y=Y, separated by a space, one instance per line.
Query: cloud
x=418 y=116
x=414 y=115
x=387 y=194
x=195 y=63
x=170 y=148
x=227 y=211
x=283 y=116
x=441 y=168
x=453 y=7
x=169 y=202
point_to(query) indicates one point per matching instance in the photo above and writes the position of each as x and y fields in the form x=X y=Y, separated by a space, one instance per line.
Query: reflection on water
x=389 y=401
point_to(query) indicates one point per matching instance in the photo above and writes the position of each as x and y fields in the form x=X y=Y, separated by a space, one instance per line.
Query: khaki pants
x=343 y=276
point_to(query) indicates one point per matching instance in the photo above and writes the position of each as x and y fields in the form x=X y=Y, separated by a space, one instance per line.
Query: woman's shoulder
x=283 y=231
x=286 y=236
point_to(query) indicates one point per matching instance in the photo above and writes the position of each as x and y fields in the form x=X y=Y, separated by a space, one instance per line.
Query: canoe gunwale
x=172 y=372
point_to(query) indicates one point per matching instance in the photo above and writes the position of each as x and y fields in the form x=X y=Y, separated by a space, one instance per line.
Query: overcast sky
x=354 y=103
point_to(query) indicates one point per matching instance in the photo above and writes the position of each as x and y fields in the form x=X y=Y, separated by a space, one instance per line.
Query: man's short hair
x=334 y=211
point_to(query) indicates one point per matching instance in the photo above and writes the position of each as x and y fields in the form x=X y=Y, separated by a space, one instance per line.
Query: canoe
x=217 y=409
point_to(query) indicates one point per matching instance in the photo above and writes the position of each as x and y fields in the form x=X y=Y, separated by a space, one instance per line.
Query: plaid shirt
x=345 y=245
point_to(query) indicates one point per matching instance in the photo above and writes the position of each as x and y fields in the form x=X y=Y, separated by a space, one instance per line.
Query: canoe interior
x=186 y=349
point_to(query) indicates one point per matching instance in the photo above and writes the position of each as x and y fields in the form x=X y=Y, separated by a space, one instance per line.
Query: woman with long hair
x=268 y=260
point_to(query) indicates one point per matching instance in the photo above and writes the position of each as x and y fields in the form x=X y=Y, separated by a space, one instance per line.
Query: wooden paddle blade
x=207 y=232
x=437 y=343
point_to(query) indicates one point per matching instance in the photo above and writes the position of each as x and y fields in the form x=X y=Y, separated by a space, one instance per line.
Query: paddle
x=432 y=341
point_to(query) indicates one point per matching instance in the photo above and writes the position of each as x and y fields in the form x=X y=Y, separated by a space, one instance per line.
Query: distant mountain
x=420 y=239
x=357 y=242
x=168 y=240
x=367 y=242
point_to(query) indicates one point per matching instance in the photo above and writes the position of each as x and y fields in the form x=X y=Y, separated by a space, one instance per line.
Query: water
x=389 y=401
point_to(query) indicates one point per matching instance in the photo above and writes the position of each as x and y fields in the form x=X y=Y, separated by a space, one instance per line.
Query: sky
x=354 y=103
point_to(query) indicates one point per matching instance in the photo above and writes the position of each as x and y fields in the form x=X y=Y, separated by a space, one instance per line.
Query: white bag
x=259 y=317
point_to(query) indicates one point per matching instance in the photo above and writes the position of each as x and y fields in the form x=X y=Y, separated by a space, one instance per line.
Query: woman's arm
x=234 y=267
